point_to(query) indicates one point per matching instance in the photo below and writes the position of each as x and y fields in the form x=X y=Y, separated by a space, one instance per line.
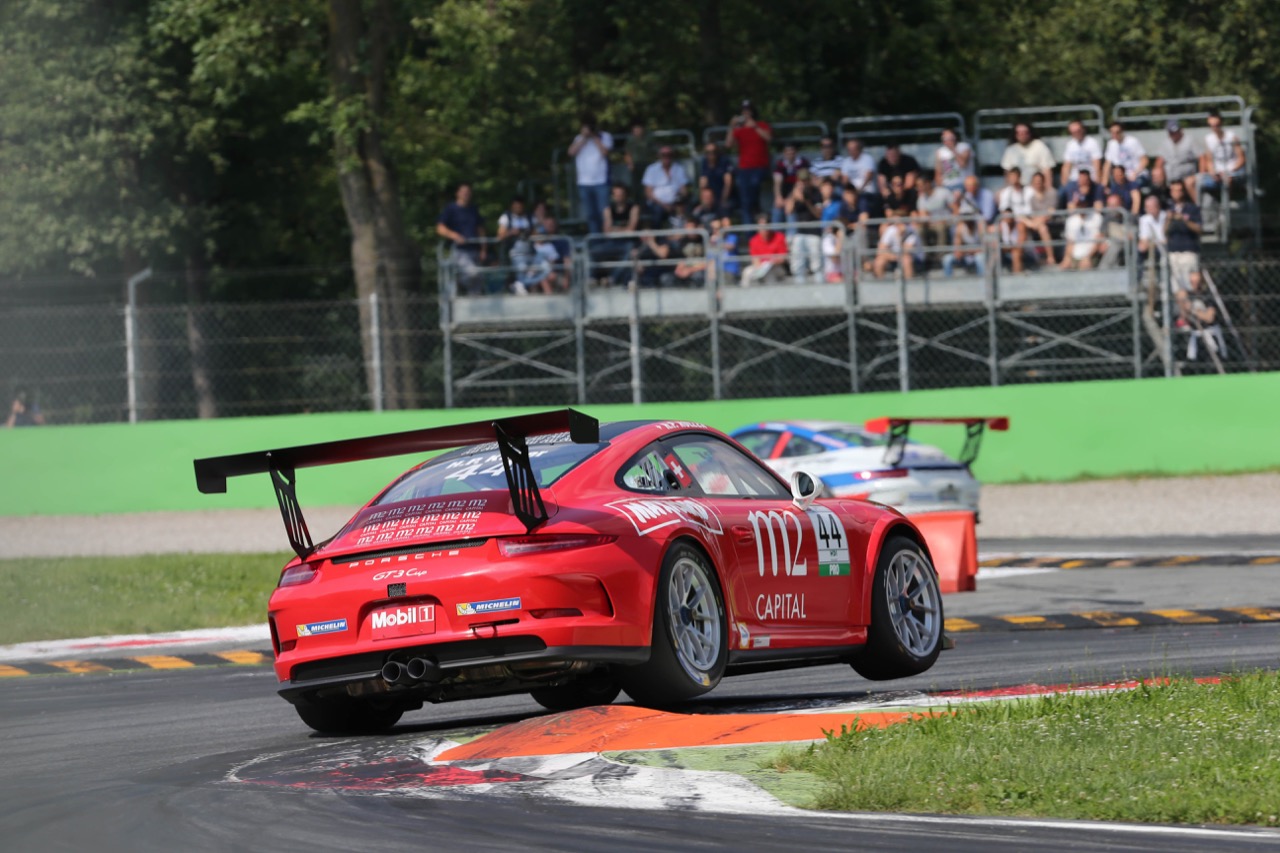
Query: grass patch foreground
x=1181 y=752
x=61 y=598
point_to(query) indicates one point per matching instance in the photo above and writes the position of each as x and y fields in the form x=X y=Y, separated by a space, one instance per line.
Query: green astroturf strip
x=1062 y=431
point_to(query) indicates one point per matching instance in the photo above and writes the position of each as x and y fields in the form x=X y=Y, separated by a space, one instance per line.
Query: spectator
x=828 y=163
x=977 y=205
x=716 y=174
x=691 y=271
x=23 y=411
x=590 y=153
x=768 y=248
x=460 y=224
x=1028 y=153
x=899 y=245
x=894 y=162
x=1158 y=186
x=975 y=200
x=851 y=210
x=1085 y=193
x=860 y=171
x=638 y=154
x=1041 y=204
x=933 y=208
x=832 y=248
x=1082 y=234
x=724 y=250
x=1080 y=152
x=952 y=162
x=1129 y=191
x=1012 y=203
x=751 y=137
x=785 y=171
x=1182 y=228
x=1200 y=312
x=1178 y=157
x=666 y=184
x=556 y=252
x=831 y=204
x=1115 y=231
x=1151 y=242
x=1223 y=160
x=514 y=223
x=804 y=206
x=621 y=216
x=1125 y=150
x=708 y=210
x=898 y=196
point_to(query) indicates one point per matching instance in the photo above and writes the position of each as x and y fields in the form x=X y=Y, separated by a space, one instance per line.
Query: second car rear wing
x=897 y=428
x=508 y=433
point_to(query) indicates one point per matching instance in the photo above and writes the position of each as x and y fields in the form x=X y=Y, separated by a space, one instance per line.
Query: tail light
x=299 y=574
x=885 y=474
x=523 y=546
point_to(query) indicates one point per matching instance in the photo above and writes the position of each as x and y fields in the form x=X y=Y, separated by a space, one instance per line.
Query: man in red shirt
x=751 y=137
x=768 y=249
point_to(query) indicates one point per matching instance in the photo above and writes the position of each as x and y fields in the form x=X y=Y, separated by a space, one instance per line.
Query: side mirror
x=805 y=489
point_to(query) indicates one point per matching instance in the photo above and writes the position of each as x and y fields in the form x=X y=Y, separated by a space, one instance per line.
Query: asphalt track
x=142 y=760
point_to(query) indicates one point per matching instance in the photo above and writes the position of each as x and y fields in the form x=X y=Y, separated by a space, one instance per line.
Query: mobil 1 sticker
x=833 y=545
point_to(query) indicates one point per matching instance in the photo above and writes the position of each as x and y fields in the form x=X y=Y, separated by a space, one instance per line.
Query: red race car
x=553 y=556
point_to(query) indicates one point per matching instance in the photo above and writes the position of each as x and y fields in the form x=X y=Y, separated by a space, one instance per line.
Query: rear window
x=855 y=437
x=479 y=469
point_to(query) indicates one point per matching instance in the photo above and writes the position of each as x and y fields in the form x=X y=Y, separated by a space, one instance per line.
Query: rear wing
x=897 y=428
x=508 y=433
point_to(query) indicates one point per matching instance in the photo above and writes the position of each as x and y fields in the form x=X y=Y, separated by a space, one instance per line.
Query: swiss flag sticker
x=678 y=469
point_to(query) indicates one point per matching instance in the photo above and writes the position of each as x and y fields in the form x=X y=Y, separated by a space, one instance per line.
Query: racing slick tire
x=345 y=717
x=577 y=694
x=690 y=645
x=905 y=635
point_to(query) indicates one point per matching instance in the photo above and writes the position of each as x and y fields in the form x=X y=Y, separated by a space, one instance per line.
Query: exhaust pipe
x=421 y=669
x=393 y=672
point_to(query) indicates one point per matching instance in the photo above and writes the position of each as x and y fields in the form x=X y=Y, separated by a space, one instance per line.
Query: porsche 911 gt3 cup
x=875 y=461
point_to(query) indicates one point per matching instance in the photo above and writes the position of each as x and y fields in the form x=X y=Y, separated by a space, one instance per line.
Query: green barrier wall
x=1064 y=431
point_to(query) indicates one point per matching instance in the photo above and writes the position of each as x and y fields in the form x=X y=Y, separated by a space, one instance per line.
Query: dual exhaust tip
x=417 y=669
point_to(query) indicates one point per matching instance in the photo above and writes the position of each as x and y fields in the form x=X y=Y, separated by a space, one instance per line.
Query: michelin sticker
x=833 y=544
x=478 y=608
x=312 y=629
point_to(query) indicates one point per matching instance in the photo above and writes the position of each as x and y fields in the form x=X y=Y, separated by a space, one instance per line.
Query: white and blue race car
x=875 y=461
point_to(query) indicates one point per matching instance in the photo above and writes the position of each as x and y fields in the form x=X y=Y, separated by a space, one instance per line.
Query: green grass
x=1181 y=753
x=48 y=599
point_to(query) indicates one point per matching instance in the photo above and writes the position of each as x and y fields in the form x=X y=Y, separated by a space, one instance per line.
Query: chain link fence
x=643 y=335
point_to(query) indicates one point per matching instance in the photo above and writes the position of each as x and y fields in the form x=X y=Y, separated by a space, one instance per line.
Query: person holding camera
x=22 y=412
x=590 y=153
x=751 y=137
x=1182 y=229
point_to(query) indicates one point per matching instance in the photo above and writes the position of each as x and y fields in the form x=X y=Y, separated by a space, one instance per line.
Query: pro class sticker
x=833 y=543
x=478 y=608
x=312 y=629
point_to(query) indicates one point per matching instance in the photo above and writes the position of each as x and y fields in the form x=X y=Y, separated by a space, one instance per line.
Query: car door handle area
x=743 y=533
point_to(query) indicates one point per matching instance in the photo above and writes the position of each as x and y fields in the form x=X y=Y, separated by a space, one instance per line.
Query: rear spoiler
x=508 y=433
x=897 y=428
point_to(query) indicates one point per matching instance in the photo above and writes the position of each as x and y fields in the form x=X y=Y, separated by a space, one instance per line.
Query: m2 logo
x=783 y=550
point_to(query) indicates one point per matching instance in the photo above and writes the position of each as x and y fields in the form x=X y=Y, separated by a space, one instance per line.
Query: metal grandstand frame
x=861 y=333
x=800 y=133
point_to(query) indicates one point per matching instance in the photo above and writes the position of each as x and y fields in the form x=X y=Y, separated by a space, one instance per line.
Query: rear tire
x=905 y=635
x=690 y=645
x=577 y=694
x=347 y=717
